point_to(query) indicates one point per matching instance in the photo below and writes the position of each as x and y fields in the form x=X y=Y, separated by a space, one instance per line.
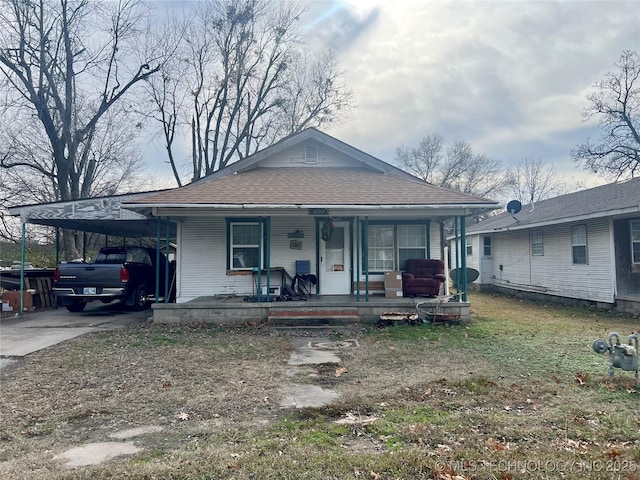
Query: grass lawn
x=516 y=393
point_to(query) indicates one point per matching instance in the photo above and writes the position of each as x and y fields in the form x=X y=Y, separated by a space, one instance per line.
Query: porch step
x=313 y=316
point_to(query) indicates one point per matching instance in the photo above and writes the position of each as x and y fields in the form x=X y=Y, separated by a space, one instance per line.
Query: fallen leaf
x=581 y=378
x=496 y=445
x=233 y=466
x=166 y=385
x=555 y=378
x=183 y=416
x=340 y=371
x=392 y=348
x=613 y=453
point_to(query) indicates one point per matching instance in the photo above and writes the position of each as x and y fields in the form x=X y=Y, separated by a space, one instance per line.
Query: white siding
x=294 y=157
x=203 y=250
x=554 y=272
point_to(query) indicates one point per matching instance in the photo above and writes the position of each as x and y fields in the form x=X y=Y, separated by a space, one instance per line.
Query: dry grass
x=517 y=393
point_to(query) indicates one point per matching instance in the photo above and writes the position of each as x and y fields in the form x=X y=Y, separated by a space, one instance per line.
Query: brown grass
x=517 y=393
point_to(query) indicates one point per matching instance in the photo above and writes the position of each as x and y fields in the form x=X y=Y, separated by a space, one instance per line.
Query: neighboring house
x=583 y=246
x=346 y=215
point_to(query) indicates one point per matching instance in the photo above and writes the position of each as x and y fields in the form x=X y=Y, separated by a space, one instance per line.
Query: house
x=309 y=200
x=583 y=246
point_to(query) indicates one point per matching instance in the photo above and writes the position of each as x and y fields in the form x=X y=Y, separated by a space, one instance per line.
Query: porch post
x=463 y=244
x=267 y=246
x=22 y=255
x=428 y=227
x=366 y=258
x=166 y=263
x=84 y=246
x=457 y=242
x=157 y=259
x=57 y=246
x=357 y=259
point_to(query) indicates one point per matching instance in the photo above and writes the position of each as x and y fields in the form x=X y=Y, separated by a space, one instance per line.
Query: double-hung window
x=537 y=243
x=244 y=245
x=635 y=241
x=486 y=242
x=579 y=244
x=391 y=245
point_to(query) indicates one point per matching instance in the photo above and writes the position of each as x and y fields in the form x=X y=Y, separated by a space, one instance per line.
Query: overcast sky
x=509 y=77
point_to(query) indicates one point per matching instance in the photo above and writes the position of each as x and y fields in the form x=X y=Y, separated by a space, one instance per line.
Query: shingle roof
x=614 y=198
x=312 y=186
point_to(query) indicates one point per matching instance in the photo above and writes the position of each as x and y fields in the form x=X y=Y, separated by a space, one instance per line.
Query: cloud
x=509 y=77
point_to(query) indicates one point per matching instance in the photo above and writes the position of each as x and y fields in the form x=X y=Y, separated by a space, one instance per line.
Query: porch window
x=391 y=245
x=537 y=243
x=412 y=243
x=579 y=244
x=635 y=241
x=381 y=248
x=244 y=248
x=486 y=242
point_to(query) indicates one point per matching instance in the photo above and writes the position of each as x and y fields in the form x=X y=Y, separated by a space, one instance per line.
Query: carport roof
x=99 y=215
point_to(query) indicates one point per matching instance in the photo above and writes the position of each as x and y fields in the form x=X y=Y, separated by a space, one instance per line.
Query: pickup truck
x=126 y=273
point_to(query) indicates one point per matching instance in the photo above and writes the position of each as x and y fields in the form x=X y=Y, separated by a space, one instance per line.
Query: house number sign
x=318 y=211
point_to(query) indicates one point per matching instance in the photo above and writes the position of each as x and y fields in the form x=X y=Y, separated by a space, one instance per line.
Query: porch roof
x=295 y=187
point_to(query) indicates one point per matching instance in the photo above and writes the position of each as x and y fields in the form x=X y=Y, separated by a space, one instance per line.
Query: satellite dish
x=514 y=206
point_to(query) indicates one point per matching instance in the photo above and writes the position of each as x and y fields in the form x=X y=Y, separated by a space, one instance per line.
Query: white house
x=581 y=246
x=309 y=198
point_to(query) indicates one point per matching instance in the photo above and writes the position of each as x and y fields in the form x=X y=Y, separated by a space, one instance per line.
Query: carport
x=103 y=215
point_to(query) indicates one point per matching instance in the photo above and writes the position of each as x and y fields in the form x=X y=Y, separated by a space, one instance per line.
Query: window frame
x=574 y=245
x=365 y=243
x=634 y=261
x=486 y=244
x=231 y=222
x=539 y=243
x=468 y=247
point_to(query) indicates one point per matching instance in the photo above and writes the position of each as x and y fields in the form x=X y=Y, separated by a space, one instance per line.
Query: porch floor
x=329 y=309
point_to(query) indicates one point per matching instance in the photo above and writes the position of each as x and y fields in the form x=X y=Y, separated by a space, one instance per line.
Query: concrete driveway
x=20 y=336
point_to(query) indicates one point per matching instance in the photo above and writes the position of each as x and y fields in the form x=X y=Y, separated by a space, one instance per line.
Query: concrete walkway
x=20 y=336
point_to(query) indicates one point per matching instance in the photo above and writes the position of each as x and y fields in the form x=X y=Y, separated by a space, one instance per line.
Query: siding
x=294 y=156
x=554 y=272
x=203 y=254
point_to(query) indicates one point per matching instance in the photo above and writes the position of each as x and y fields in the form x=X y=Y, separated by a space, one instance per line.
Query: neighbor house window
x=311 y=154
x=579 y=244
x=537 y=244
x=391 y=245
x=244 y=245
x=469 y=247
x=635 y=241
x=486 y=244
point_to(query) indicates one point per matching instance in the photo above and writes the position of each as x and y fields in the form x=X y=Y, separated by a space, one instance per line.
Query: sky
x=509 y=77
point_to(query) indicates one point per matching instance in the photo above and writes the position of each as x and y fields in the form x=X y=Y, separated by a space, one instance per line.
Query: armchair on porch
x=423 y=277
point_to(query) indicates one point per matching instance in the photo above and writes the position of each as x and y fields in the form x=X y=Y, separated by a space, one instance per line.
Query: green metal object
x=623 y=356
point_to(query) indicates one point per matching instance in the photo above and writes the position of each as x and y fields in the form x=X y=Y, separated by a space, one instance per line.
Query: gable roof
x=621 y=198
x=373 y=183
x=301 y=137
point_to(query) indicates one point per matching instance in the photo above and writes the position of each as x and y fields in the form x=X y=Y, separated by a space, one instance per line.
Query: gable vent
x=311 y=154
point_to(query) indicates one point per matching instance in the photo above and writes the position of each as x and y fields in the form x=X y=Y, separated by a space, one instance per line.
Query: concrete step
x=313 y=316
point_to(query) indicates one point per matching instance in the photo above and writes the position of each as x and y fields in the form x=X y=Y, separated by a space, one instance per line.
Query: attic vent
x=311 y=154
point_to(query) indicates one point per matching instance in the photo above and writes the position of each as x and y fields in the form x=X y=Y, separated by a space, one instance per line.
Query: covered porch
x=316 y=310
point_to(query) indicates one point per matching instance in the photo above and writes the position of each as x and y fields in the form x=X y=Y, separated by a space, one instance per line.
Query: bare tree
x=616 y=104
x=459 y=168
x=67 y=64
x=532 y=180
x=245 y=82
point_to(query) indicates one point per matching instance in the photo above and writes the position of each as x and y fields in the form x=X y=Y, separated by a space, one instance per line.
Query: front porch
x=316 y=310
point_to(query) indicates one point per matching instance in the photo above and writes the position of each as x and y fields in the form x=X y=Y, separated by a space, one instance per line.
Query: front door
x=335 y=261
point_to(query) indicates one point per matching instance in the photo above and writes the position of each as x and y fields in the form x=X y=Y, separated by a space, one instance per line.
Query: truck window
x=138 y=255
x=111 y=258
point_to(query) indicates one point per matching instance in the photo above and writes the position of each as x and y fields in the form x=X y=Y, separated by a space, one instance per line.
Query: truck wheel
x=76 y=306
x=140 y=299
